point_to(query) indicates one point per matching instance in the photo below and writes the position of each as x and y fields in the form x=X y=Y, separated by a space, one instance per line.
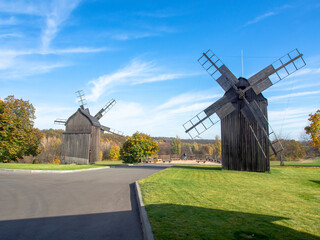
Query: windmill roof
x=86 y=114
x=92 y=120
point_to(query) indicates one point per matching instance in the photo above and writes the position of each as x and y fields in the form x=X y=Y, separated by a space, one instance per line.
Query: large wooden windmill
x=245 y=135
x=81 y=140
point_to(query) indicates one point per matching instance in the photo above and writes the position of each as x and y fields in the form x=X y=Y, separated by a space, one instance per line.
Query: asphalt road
x=99 y=204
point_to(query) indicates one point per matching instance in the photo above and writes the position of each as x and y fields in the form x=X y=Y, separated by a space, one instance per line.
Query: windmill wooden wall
x=240 y=150
x=81 y=140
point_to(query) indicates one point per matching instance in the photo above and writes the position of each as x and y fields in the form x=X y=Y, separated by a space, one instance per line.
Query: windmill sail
x=277 y=71
x=217 y=70
x=113 y=131
x=253 y=113
x=60 y=121
x=105 y=109
x=210 y=116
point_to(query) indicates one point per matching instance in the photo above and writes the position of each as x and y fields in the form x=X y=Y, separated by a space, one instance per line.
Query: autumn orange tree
x=314 y=129
x=138 y=146
x=18 y=137
x=114 y=153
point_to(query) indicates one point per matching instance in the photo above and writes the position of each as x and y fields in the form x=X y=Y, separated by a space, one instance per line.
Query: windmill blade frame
x=277 y=71
x=217 y=70
x=253 y=113
x=106 y=108
x=203 y=121
x=60 y=121
x=113 y=131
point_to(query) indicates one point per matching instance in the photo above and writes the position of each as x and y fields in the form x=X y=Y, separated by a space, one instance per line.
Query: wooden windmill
x=81 y=140
x=245 y=135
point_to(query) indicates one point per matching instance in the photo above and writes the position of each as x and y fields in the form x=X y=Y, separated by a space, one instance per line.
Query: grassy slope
x=45 y=166
x=195 y=202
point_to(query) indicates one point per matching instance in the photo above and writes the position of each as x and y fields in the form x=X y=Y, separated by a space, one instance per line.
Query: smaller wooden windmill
x=245 y=136
x=81 y=140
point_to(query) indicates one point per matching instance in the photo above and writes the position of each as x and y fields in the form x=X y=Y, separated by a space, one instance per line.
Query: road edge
x=8 y=170
x=145 y=224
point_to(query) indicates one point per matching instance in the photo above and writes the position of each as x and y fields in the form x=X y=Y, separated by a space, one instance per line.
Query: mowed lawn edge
x=27 y=166
x=204 y=202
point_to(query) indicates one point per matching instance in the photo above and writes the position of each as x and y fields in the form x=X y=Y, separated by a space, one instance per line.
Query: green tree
x=18 y=137
x=292 y=150
x=217 y=147
x=176 y=146
x=314 y=129
x=138 y=146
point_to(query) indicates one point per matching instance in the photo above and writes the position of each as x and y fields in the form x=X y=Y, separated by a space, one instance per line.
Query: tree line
x=21 y=141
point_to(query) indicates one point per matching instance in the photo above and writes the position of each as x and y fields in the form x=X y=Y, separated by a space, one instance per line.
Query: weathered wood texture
x=75 y=148
x=95 y=145
x=81 y=141
x=240 y=150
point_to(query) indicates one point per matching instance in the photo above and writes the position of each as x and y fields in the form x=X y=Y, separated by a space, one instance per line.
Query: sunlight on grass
x=109 y=162
x=203 y=202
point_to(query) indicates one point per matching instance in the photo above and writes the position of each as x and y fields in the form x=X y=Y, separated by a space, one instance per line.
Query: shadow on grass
x=315 y=181
x=113 y=225
x=188 y=222
x=199 y=167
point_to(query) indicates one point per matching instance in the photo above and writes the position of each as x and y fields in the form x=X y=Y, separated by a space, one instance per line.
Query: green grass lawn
x=204 y=202
x=307 y=163
x=46 y=166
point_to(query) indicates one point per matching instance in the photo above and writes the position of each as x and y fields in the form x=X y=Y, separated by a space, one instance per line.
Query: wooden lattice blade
x=277 y=71
x=113 y=131
x=105 y=109
x=210 y=116
x=217 y=70
x=253 y=114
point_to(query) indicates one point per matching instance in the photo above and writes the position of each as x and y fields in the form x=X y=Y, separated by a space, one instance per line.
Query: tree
x=50 y=148
x=176 y=146
x=314 y=129
x=292 y=150
x=138 y=146
x=217 y=147
x=207 y=149
x=18 y=137
x=114 y=153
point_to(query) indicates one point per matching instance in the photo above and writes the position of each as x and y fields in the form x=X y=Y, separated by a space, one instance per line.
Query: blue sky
x=144 y=55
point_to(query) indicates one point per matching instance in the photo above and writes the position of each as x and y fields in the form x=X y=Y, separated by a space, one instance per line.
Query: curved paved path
x=98 y=204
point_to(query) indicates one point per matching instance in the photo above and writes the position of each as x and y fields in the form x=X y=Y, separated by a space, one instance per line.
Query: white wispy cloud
x=266 y=15
x=290 y=122
x=37 y=7
x=260 y=18
x=189 y=97
x=10 y=35
x=8 y=21
x=136 y=72
x=298 y=94
x=15 y=63
x=195 y=108
x=133 y=35
x=55 y=13
x=21 y=69
x=60 y=11
x=145 y=31
x=16 y=53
